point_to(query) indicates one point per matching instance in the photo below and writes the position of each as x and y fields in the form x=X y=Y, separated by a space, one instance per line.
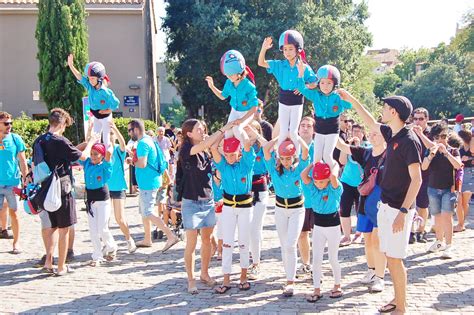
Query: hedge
x=29 y=129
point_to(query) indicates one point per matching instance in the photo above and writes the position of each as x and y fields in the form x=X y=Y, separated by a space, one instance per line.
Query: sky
x=396 y=24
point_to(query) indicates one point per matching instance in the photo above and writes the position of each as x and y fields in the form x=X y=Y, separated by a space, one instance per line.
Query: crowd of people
x=393 y=172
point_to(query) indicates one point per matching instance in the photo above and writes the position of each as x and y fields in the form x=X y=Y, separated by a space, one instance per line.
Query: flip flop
x=48 y=271
x=193 y=290
x=67 y=270
x=222 y=289
x=458 y=229
x=168 y=245
x=313 y=298
x=335 y=294
x=244 y=286
x=210 y=283
x=142 y=245
x=388 y=308
x=288 y=291
x=16 y=251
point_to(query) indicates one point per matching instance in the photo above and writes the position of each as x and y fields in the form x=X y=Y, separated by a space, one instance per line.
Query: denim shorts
x=441 y=200
x=6 y=192
x=468 y=179
x=161 y=196
x=117 y=194
x=198 y=214
x=146 y=202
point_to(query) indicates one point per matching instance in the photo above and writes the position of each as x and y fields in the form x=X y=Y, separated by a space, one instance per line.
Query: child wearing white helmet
x=102 y=100
x=290 y=100
x=327 y=107
x=241 y=90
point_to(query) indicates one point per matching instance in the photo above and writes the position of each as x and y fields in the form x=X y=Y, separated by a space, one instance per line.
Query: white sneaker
x=436 y=247
x=447 y=254
x=131 y=246
x=378 y=285
x=369 y=277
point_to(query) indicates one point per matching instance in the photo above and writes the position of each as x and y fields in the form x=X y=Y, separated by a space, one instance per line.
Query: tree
x=441 y=89
x=61 y=30
x=406 y=69
x=386 y=84
x=334 y=33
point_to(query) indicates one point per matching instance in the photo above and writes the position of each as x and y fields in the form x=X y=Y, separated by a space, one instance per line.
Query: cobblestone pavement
x=149 y=281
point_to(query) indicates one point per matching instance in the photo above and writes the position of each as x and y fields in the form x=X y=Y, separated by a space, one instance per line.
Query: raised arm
x=206 y=143
x=367 y=117
x=454 y=160
x=216 y=155
x=426 y=141
x=305 y=174
x=266 y=45
x=334 y=175
x=119 y=136
x=255 y=135
x=304 y=149
x=268 y=149
x=343 y=147
x=216 y=91
x=70 y=63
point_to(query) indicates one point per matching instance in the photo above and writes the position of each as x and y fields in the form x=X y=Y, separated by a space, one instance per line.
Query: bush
x=29 y=129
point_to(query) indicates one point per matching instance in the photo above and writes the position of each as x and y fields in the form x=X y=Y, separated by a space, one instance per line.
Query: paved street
x=148 y=281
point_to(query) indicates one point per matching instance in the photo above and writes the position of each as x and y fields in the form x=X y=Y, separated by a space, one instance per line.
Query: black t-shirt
x=59 y=152
x=468 y=153
x=195 y=174
x=267 y=129
x=403 y=149
x=442 y=171
x=364 y=157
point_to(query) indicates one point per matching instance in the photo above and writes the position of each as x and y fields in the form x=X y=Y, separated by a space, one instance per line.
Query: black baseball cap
x=401 y=104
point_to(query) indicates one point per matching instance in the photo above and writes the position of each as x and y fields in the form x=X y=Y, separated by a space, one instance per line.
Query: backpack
x=41 y=170
x=161 y=163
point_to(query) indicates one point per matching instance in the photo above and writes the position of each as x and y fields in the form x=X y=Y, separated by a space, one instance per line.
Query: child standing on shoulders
x=328 y=105
x=289 y=209
x=324 y=190
x=290 y=100
x=102 y=100
x=97 y=172
x=236 y=170
x=241 y=90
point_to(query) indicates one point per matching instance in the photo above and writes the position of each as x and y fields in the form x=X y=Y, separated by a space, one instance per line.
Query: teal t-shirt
x=96 y=175
x=103 y=98
x=243 y=96
x=353 y=173
x=147 y=177
x=324 y=201
x=287 y=76
x=10 y=146
x=117 y=179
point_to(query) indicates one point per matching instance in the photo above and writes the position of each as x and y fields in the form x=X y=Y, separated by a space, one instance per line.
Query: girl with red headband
x=289 y=209
x=290 y=100
x=97 y=172
x=324 y=190
x=236 y=172
x=240 y=88
x=102 y=100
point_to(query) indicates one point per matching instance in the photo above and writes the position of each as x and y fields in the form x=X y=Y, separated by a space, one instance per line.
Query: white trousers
x=232 y=218
x=99 y=228
x=218 y=229
x=321 y=235
x=102 y=126
x=259 y=211
x=289 y=118
x=324 y=146
x=237 y=130
x=289 y=223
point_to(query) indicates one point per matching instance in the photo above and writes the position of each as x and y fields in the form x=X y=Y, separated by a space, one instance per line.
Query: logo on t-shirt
x=102 y=102
x=244 y=103
x=325 y=198
x=99 y=178
x=258 y=159
x=297 y=183
x=335 y=108
x=395 y=145
x=243 y=180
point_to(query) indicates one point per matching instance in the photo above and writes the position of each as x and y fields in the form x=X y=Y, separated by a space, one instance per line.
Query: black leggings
x=350 y=196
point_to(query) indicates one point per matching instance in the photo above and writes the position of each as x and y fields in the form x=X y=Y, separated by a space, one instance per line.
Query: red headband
x=321 y=171
x=231 y=145
x=287 y=148
x=99 y=147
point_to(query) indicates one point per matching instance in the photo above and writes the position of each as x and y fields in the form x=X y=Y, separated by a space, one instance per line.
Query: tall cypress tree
x=61 y=29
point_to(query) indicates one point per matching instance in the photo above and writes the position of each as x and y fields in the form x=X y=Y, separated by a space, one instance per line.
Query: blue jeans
x=441 y=200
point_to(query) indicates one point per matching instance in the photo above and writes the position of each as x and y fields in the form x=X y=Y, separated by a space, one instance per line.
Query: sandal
x=313 y=298
x=388 y=308
x=209 y=282
x=222 y=289
x=244 y=286
x=335 y=294
x=48 y=271
x=142 y=245
x=458 y=229
x=16 y=251
x=193 y=290
x=170 y=244
x=65 y=271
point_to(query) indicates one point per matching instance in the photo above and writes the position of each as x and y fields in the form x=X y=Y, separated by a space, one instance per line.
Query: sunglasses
x=443 y=136
x=418 y=118
x=7 y=123
x=348 y=120
x=130 y=129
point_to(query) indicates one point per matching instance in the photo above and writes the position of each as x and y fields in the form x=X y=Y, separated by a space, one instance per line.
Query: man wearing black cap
x=400 y=183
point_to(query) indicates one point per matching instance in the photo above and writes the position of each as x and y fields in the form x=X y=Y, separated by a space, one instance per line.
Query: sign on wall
x=131 y=100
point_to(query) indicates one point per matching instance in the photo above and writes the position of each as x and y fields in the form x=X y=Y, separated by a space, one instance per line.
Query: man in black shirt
x=420 y=118
x=59 y=153
x=400 y=184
